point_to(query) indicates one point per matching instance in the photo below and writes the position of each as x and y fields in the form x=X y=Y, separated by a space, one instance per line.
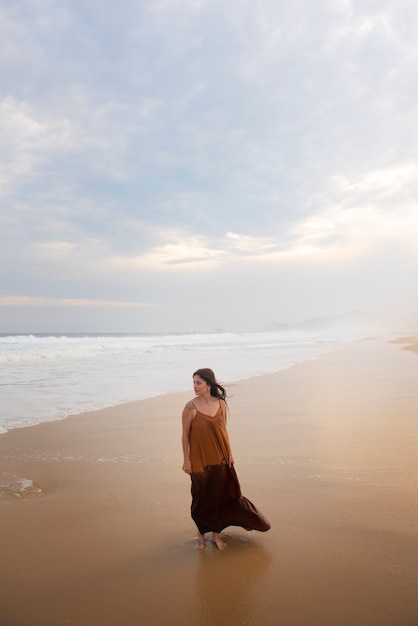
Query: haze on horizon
x=184 y=165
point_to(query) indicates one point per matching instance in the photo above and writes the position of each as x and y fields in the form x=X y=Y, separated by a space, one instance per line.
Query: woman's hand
x=231 y=460
x=187 y=467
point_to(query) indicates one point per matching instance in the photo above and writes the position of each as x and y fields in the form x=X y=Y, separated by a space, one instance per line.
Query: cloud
x=377 y=184
x=28 y=141
x=342 y=232
x=144 y=145
x=30 y=301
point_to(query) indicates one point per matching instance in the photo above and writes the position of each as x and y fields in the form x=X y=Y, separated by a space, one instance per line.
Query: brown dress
x=216 y=495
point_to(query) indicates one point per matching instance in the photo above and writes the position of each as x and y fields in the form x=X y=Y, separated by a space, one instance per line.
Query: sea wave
x=47 y=377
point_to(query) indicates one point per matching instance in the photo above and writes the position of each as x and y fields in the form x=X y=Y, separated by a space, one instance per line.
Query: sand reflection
x=228 y=582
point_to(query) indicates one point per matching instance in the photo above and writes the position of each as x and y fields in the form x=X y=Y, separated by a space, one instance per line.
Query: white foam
x=15 y=487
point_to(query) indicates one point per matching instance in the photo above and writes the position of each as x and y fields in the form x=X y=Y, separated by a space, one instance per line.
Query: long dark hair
x=216 y=390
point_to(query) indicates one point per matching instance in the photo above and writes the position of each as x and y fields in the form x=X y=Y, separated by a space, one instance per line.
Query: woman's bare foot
x=200 y=543
x=218 y=541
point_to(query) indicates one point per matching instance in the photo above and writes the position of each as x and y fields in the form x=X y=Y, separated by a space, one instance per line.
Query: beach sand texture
x=327 y=450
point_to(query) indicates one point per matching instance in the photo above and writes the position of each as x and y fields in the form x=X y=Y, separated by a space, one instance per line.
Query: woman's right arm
x=186 y=418
x=224 y=410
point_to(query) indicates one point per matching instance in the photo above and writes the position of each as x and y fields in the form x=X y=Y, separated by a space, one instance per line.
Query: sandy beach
x=327 y=450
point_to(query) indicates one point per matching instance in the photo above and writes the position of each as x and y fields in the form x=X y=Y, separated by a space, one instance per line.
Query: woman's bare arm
x=188 y=414
x=224 y=409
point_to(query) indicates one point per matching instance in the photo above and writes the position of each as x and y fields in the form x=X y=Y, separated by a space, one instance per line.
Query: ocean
x=48 y=377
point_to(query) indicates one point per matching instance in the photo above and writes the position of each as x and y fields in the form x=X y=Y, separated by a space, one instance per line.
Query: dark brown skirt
x=217 y=502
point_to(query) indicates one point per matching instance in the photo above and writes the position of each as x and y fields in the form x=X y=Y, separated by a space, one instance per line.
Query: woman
x=216 y=495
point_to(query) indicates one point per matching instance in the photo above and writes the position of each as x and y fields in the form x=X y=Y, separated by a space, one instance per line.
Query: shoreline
x=326 y=449
x=227 y=385
x=115 y=379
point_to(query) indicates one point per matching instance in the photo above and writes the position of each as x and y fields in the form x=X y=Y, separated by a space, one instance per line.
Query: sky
x=189 y=165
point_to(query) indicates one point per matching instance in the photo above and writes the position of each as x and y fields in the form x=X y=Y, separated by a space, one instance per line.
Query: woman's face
x=200 y=386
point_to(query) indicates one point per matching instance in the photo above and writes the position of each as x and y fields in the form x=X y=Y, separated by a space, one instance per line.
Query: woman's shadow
x=228 y=582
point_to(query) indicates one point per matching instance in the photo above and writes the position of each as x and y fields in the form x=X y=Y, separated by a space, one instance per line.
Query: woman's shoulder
x=224 y=408
x=190 y=405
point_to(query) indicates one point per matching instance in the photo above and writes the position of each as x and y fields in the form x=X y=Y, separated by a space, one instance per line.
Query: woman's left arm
x=224 y=411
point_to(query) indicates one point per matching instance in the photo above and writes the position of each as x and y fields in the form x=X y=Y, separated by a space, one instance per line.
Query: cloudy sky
x=195 y=164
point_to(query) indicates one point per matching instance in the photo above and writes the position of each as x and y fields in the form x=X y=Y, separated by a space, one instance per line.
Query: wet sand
x=327 y=450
